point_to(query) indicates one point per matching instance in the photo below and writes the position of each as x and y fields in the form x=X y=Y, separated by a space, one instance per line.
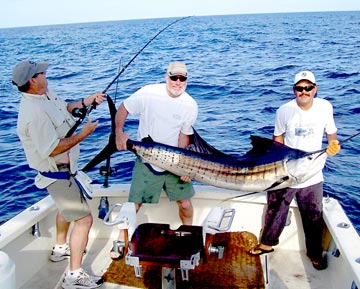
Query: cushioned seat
x=157 y=243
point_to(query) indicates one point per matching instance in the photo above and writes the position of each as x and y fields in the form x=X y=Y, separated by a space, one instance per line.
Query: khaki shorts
x=146 y=186
x=69 y=199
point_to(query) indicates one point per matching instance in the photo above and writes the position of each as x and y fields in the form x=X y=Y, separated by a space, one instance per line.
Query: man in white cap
x=301 y=124
x=43 y=123
x=167 y=114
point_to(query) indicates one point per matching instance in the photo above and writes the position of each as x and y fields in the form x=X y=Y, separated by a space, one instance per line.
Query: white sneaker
x=57 y=256
x=83 y=280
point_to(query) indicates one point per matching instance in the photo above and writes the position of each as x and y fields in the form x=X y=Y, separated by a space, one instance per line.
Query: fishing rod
x=106 y=170
x=350 y=137
x=81 y=113
x=340 y=143
x=132 y=59
x=84 y=111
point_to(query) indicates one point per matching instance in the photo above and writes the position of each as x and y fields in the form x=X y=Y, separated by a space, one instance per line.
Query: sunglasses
x=37 y=74
x=176 y=77
x=307 y=88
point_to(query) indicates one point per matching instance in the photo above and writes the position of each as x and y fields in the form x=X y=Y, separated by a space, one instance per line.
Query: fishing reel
x=79 y=112
x=106 y=172
x=84 y=110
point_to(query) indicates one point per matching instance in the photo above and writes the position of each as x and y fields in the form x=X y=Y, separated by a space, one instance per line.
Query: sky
x=17 y=13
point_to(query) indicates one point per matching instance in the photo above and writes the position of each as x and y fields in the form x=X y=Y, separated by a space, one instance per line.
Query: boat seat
x=157 y=244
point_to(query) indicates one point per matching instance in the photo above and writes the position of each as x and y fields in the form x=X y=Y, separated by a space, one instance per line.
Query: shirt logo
x=299 y=131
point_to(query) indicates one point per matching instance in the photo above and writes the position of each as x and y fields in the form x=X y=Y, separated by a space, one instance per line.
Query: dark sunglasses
x=37 y=74
x=176 y=77
x=307 y=88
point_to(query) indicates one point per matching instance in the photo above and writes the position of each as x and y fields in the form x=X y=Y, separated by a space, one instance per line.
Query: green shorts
x=146 y=186
x=69 y=199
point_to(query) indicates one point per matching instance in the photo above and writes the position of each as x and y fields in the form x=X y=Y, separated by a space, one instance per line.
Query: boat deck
x=284 y=270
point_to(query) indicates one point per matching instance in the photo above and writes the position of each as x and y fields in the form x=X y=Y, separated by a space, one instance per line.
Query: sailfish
x=269 y=165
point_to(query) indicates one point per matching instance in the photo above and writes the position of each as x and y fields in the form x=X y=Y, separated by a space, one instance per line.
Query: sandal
x=260 y=250
x=116 y=253
x=320 y=264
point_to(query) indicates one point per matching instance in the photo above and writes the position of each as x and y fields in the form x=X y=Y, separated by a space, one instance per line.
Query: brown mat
x=237 y=269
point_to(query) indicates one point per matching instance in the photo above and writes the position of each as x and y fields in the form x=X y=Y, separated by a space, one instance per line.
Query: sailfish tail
x=106 y=152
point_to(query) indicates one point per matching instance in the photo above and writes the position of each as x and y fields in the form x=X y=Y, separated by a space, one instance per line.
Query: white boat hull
x=287 y=267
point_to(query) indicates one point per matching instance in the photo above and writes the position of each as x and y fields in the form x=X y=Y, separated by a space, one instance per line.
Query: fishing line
x=132 y=59
x=82 y=113
x=107 y=170
x=117 y=83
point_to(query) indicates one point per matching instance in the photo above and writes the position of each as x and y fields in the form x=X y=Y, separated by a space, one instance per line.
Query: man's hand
x=121 y=139
x=333 y=147
x=185 y=179
x=68 y=142
x=88 y=128
x=98 y=98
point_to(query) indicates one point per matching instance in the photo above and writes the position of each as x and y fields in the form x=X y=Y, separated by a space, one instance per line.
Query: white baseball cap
x=304 y=75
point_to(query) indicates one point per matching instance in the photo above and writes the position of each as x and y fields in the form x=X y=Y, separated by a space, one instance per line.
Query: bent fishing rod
x=106 y=170
x=84 y=111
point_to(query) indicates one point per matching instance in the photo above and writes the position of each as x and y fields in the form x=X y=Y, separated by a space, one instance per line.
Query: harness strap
x=56 y=175
x=79 y=178
x=61 y=175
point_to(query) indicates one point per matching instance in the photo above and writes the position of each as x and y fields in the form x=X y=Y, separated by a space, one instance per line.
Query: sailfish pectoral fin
x=277 y=183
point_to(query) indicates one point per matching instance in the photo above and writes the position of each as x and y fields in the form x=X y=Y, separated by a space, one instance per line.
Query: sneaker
x=84 y=280
x=57 y=256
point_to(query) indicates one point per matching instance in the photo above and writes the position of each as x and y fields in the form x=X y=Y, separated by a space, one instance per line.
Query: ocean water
x=241 y=70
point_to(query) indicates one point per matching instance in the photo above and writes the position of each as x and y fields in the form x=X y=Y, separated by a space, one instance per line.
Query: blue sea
x=241 y=70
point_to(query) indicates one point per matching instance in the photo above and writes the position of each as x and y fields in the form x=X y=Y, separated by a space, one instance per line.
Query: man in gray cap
x=167 y=114
x=300 y=124
x=43 y=123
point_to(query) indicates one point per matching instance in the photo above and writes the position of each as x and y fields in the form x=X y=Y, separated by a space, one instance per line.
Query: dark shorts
x=69 y=199
x=146 y=186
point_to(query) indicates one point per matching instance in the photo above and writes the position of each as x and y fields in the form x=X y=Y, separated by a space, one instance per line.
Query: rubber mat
x=237 y=269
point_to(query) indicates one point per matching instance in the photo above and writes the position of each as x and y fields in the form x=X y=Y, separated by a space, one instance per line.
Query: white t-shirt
x=304 y=129
x=162 y=117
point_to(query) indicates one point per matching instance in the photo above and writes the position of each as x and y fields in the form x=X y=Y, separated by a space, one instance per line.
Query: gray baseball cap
x=26 y=69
